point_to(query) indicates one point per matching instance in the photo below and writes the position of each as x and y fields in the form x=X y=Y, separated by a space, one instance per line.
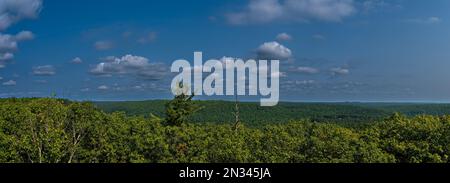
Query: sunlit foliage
x=60 y=131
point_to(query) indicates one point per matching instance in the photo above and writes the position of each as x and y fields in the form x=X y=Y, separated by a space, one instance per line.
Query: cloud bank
x=130 y=65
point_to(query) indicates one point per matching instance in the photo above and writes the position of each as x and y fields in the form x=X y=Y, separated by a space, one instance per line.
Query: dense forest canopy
x=219 y=112
x=54 y=130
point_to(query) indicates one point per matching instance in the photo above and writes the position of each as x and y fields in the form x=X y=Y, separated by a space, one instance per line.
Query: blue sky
x=331 y=50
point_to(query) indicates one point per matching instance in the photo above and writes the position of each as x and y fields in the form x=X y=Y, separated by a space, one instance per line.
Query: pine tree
x=180 y=108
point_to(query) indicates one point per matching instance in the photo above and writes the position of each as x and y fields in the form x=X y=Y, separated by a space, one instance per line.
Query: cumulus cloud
x=9 y=42
x=45 y=70
x=265 y=11
x=76 y=60
x=130 y=65
x=305 y=70
x=339 y=71
x=273 y=51
x=9 y=83
x=284 y=37
x=103 y=45
x=12 y=11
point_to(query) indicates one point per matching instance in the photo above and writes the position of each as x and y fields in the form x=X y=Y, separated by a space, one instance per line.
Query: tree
x=236 y=114
x=180 y=108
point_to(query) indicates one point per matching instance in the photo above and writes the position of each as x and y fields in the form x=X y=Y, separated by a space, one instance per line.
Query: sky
x=329 y=50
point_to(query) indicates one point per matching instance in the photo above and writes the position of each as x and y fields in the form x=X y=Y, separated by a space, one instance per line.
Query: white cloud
x=265 y=11
x=76 y=60
x=9 y=83
x=12 y=11
x=131 y=65
x=258 y=11
x=6 y=56
x=9 y=43
x=434 y=20
x=273 y=51
x=339 y=71
x=45 y=70
x=103 y=45
x=306 y=70
x=24 y=36
x=371 y=5
x=284 y=37
x=103 y=87
x=1 y=78
x=85 y=89
x=429 y=20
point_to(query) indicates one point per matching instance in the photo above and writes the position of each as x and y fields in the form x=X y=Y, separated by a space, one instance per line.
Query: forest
x=50 y=130
x=344 y=114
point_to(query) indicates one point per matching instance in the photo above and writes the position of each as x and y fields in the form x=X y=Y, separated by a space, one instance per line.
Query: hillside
x=254 y=115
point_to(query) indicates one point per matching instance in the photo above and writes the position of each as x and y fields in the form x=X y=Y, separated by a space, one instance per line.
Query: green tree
x=180 y=108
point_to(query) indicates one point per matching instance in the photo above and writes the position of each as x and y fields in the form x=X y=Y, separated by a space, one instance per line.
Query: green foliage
x=218 y=112
x=60 y=131
x=180 y=108
x=423 y=139
x=355 y=115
